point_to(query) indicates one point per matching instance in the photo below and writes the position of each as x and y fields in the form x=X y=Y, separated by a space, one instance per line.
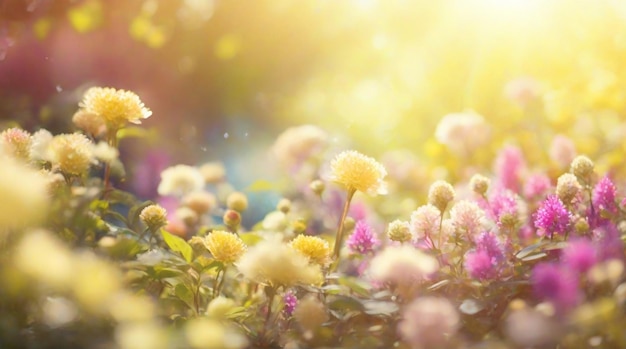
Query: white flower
x=180 y=180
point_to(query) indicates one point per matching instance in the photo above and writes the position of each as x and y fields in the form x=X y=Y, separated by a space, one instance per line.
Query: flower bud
x=310 y=314
x=567 y=188
x=220 y=306
x=232 y=219
x=317 y=186
x=582 y=167
x=284 y=205
x=479 y=184
x=237 y=201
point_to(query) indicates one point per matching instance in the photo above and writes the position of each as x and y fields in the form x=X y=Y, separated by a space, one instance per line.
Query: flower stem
x=339 y=237
x=112 y=139
x=271 y=293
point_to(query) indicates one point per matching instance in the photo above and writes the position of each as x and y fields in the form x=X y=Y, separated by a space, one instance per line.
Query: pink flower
x=429 y=322
x=580 y=255
x=562 y=150
x=486 y=261
x=552 y=217
x=503 y=202
x=555 y=284
x=537 y=185
x=362 y=240
x=604 y=195
x=290 y=301
x=509 y=167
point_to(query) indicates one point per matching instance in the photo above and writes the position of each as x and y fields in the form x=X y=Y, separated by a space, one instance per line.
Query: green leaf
x=134 y=132
x=125 y=248
x=529 y=249
x=534 y=257
x=345 y=303
x=250 y=239
x=264 y=185
x=380 y=308
x=184 y=294
x=164 y=272
x=355 y=285
x=177 y=244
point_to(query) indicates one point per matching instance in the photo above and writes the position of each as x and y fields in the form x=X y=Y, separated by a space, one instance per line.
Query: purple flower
x=290 y=301
x=610 y=245
x=362 y=240
x=479 y=265
x=555 y=284
x=509 y=166
x=604 y=195
x=580 y=255
x=486 y=261
x=552 y=217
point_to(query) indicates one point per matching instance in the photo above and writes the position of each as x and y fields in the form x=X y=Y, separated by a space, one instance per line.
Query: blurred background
x=225 y=78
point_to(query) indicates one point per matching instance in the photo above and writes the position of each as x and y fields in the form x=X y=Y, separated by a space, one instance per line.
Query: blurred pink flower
x=509 y=167
x=362 y=240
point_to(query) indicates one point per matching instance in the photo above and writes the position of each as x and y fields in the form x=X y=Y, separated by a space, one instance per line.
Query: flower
x=16 y=142
x=24 y=192
x=154 y=217
x=220 y=306
x=579 y=255
x=562 y=150
x=213 y=172
x=425 y=221
x=509 y=167
x=555 y=284
x=440 y=194
x=71 y=153
x=604 y=195
x=582 y=167
x=180 y=180
x=462 y=132
x=224 y=246
x=468 y=218
x=105 y=153
x=356 y=171
x=290 y=301
x=402 y=266
x=315 y=248
x=552 y=217
x=429 y=322
x=536 y=186
x=485 y=262
x=237 y=201
x=91 y=123
x=39 y=145
x=278 y=264
x=310 y=314
x=362 y=240
x=200 y=201
x=522 y=90
x=296 y=144
x=115 y=107
x=399 y=231
x=479 y=184
x=567 y=188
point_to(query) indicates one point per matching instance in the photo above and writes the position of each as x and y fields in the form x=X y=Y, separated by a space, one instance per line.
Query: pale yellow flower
x=315 y=248
x=115 y=107
x=224 y=246
x=356 y=171
x=276 y=263
x=91 y=123
x=154 y=217
x=24 y=193
x=71 y=153
x=310 y=314
x=16 y=142
x=180 y=180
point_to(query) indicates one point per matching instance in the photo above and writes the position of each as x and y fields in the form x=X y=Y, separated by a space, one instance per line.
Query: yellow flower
x=116 y=107
x=71 y=153
x=356 y=171
x=313 y=247
x=154 y=217
x=224 y=246
x=278 y=264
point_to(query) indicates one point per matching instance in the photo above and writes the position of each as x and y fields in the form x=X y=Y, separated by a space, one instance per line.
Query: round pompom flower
x=425 y=221
x=356 y=171
x=224 y=246
x=180 y=180
x=154 y=217
x=16 y=142
x=362 y=240
x=115 y=107
x=552 y=217
x=315 y=248
x=71 y=153
x=429 y=322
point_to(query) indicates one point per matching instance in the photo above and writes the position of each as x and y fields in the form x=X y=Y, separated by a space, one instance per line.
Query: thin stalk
x=112 y=139
x=272 y=295
x=344 y=214
x=216 y=283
